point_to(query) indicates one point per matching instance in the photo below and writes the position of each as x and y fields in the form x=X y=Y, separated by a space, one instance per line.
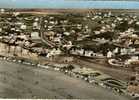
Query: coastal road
x=22 y=81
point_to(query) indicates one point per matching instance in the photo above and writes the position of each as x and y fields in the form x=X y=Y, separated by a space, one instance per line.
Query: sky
x=68 y=4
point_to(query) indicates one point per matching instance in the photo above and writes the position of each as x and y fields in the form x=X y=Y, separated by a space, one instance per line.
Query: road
x=22 y=81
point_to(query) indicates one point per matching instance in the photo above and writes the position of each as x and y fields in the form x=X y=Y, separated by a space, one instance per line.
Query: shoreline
x=52 y=68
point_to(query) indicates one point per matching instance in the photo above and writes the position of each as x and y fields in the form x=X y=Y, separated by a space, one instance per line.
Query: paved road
x=20 y=81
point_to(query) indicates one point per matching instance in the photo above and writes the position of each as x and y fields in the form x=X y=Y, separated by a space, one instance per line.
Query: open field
x=73 y=10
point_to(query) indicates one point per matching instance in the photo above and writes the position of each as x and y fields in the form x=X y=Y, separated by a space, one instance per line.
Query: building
x=35 y=37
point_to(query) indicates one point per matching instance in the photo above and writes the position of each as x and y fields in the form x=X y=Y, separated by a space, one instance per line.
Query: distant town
x=100 y=47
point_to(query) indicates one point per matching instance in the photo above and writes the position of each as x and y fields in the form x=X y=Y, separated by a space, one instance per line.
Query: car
x=14 y=60
x=56 y=69
x=4 y=58
x=19 y=61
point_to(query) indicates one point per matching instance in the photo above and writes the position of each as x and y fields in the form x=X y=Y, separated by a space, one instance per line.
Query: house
x=119 y=19
x=23 y=27
x=109 y=54
x=88 y=53
x=115 y=51
x=57 y=39
x=2 y=11
x=55 y=52
x=50 y=35
x=0 y=29
x=52 y=22
x=36 y=25
x=16 y=13
x=132 y=60
x=79 y=26
x=77 y=51
x=123 y=51
x=22 y=36
x=137 y=23
x=35 y=37
x=50 y=27
x=46 y=21
x=36 y=19
x=66 y=33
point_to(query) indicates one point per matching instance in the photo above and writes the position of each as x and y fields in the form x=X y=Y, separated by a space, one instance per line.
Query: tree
x=122 y=26
x=132 y=78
